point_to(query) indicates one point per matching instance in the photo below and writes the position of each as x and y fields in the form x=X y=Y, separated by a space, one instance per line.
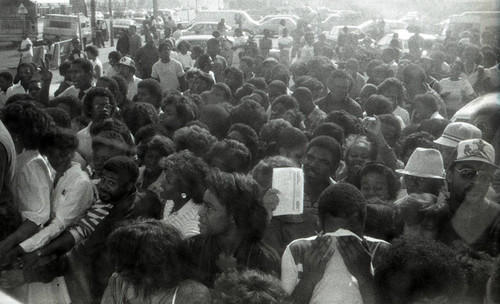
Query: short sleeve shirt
x=168 y=74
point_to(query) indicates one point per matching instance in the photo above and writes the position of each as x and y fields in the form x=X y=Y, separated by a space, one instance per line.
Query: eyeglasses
x=102 y=107
x=470 y=174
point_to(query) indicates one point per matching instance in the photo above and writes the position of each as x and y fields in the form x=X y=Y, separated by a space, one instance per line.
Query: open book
x=290 y=183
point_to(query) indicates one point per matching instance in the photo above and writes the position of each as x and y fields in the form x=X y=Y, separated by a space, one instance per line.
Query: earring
x=183 y=195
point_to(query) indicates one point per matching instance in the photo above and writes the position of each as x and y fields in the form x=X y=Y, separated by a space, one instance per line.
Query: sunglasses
x=470 y=174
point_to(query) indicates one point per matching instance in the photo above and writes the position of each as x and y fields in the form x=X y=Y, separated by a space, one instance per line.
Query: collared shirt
x=32 y=186
x=132 y=87
x=15 y=89
x=349 y=105
x=314 y=119
x=85 y=143
x=70 y=198
x=168 y=73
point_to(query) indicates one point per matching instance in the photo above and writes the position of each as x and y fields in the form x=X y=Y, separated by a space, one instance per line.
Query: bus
x=12 y=24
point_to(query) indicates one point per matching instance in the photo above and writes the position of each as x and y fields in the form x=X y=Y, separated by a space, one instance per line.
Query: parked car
x=203 y=28
x=272 y=25
x=124 y=24
x=66 y=27
x=333 y=35
x=269 y=17
x=345 y=17
x=404 y=35
x=201 y=40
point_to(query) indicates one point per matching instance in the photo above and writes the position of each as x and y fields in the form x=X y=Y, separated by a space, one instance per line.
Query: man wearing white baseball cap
x=424 y=172
x=476 y=220
x=126 y=68
x=454 y=133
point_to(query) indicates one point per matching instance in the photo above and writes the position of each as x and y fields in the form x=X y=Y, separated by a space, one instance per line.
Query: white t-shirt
x=168 y=74
x=132 y=87
x=186 y=60
x=338 y=284
x=27 y=55
x=454 y=101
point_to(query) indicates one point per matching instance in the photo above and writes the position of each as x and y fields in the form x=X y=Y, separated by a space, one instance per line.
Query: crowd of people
x=151 y=180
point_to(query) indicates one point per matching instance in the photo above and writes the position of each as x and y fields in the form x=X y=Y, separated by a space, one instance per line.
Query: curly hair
x=341 y=199
x=154 y=88
x=216 y=117
x=250 y=287
x=140 y=114
x=60 y=117
x=250 y=113
x=149 y=254
x=145 y=133
x=430 y=270
x=233 y=155
x=269 y=135
x=26 y=122
x=378 y=105
x=250 y=138
x=185 y=108
x=89 y=99
x=194 y=139
x=191 y=171
x=348 y=122
x=240 y=195
x=330 y=129
x=355 y=139
x=417 y=140
x=163 y=145
x=115 y=125
x=390 y=84
x=63 y=139
x=258 y=82
x=113 y=140
x=75 y=106
x=392 y=179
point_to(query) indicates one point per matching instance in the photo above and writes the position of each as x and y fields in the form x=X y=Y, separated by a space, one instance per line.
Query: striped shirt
x=95 y=214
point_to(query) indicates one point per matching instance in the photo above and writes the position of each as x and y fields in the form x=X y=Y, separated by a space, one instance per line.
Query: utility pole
x=93 y=24
x=110 y=27
x=155 y=8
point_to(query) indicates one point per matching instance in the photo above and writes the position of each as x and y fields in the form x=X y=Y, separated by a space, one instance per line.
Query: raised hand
x=356 y=257
x=318 y=255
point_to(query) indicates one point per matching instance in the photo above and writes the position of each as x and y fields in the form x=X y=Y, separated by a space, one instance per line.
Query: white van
x=66 y=27
x=229 y=16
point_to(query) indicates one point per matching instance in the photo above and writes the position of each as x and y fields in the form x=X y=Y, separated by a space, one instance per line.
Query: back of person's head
x=240 y=195
x=245 y=90
x=391 y=120
x=122 y=84
x=341 y=200
x=434 y=126
x=110 y=84
x=372 y=64
x=123 y=166
x=292 y=138
x=145 y=133
x=299 y=68
x=416 y=140
x=18 y=97
x=281 y=72
x=223 y=87
x=60 y=117
x=378 y=105
x=140 y=114
x=111 y=140
x=149 y=254
x=185 y=110
x=413 y=73
x=59 y=138
x=259 y=83
x=216 y=118
x=194 y=139
x=390 y=86
x=115 y=125
x=263 y=98
x=269 y=135
x=381 y=73
x=154 y=89
x=229 y=156
x=418 y=270
x=279 y=86
x=428 y=101
x=115 y=55
x=250 y=113
x=92 y=49
x=247 y=136
x=347 y=121
x=330 y=129
x=250 y=287
x=163 y=145
x=26 y=122
x=320 y=68
x=287 y=102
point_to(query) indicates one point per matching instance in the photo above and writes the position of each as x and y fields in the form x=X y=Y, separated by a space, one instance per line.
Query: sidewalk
x=103 y=56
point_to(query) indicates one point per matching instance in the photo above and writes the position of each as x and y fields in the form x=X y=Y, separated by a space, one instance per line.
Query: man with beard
x=476 y=220
x=322 y=159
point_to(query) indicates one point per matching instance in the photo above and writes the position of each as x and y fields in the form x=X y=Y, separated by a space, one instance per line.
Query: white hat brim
x=402 y=171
